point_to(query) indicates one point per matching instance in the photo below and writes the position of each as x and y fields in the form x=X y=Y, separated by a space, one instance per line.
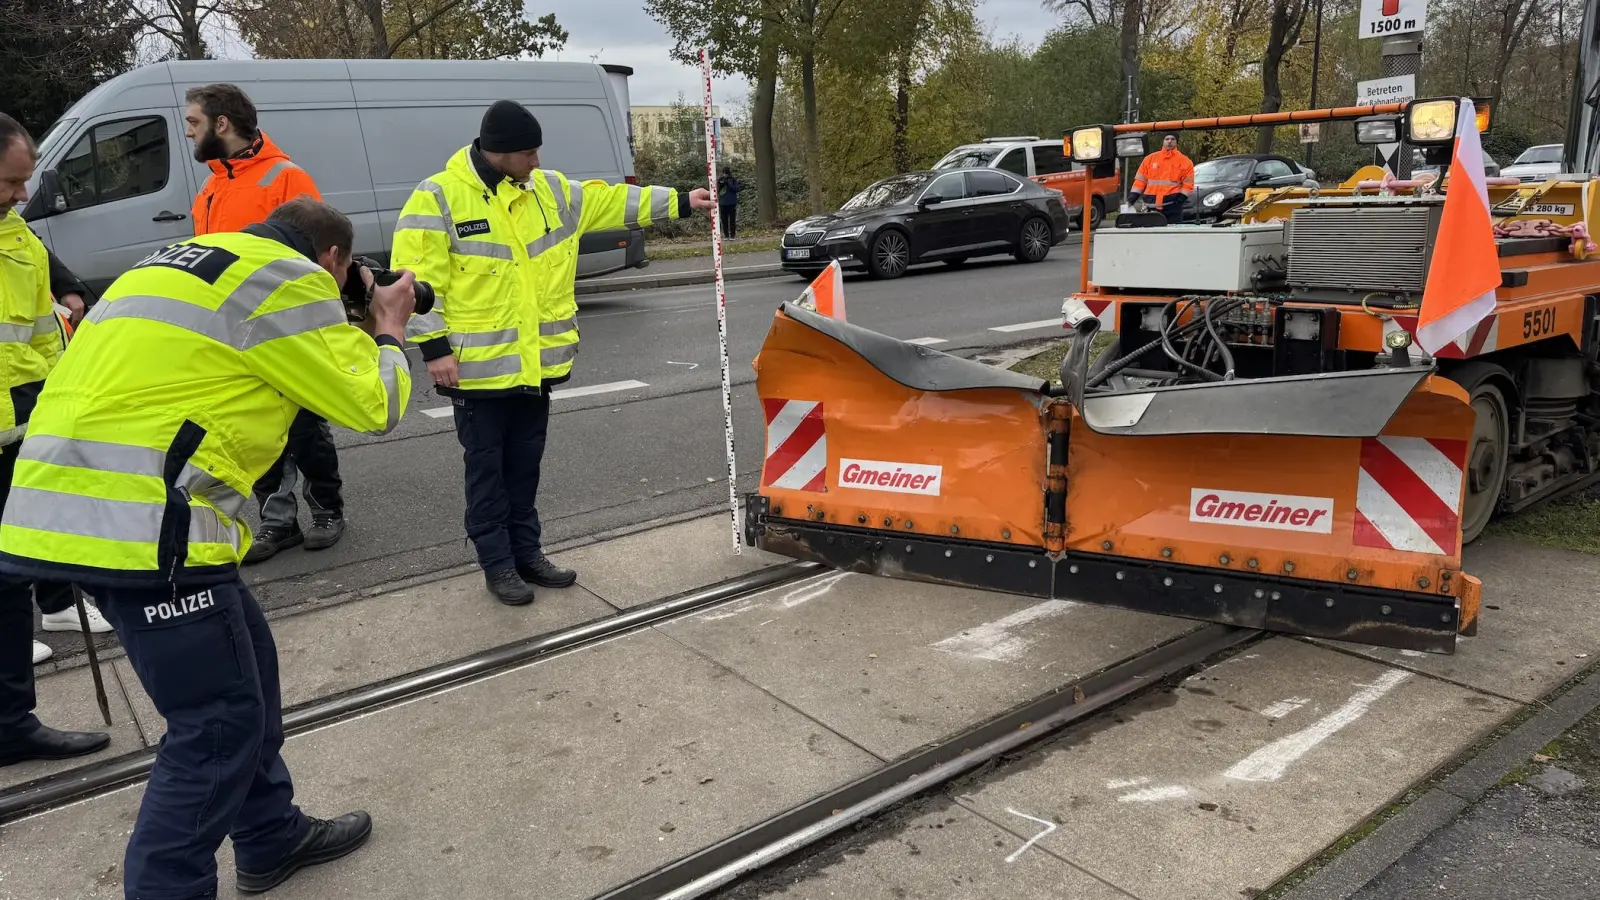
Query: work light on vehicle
x=1130 y=145
x=1378 y=130
x=1431 y=121
x=1090 y=145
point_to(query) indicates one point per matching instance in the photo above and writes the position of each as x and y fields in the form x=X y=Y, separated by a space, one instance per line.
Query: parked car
x=1045 y=162
x=1220 y=184
x=1419 y=165
x=934 y=216
x=1536 y=163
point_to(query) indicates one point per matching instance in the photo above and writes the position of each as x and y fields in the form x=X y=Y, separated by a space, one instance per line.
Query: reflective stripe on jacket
x=503 y=261
x=1164 y=172
x=175 y=397
x=30 y=335
x=244 y=190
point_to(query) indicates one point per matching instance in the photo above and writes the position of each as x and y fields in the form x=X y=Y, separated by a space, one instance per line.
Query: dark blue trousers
x=207 y=660
x=502 y=439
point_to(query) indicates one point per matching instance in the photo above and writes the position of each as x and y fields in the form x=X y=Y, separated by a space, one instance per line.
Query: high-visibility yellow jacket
x=502 y=259
x=30 y=335
x=175 y=395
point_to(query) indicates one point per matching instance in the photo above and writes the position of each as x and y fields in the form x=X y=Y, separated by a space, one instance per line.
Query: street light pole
x=1316 y=62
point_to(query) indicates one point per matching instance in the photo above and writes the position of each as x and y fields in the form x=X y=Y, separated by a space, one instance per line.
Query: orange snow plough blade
x=1324 y=505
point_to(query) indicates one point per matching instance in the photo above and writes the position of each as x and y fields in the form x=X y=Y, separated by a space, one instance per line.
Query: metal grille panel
x=803 y=239
x=1372 y=249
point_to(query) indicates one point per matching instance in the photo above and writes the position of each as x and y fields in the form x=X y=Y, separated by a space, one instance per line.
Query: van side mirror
x=49 y=200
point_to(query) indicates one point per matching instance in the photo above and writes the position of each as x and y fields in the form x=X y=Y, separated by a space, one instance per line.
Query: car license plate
x=797 y=254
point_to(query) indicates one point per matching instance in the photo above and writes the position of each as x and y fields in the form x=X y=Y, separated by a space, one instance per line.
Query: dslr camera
x=357 y=297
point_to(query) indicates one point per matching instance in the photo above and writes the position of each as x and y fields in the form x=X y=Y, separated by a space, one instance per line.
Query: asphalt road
x=637 y=434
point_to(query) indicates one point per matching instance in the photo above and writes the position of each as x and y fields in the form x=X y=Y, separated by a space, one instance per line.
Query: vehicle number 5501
x=1538 y=322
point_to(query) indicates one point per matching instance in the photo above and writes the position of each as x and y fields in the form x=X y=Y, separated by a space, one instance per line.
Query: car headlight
x=1214 y=198
x=852 y=231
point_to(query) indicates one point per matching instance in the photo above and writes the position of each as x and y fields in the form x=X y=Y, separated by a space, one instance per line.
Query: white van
x=116 y=176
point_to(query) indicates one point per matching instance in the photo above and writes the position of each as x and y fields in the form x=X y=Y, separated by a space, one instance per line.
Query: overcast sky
x=634 y=39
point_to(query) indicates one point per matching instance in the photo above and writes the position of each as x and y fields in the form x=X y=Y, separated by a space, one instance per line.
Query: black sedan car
x=918 y=217
x=1219 y=184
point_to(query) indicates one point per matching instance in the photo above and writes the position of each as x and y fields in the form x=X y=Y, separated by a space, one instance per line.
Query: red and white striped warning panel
x=797 y=446
x=1409 y=494
x=1478 y=340
x=1104 y=310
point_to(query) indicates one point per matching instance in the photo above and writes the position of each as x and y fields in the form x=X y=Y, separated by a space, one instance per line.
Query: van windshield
x=54 y=136
x=969 y=158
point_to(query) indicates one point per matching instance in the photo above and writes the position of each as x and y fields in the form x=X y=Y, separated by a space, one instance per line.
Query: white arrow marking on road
x=557 y=394
x=690 y=365
x=1030 y=326
x=1270 y=762
x=1048 y=827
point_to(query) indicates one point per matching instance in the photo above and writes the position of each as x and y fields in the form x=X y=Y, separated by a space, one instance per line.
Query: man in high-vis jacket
x=31 y=342
x=1165 y=179
x=136 y=483
x=498 y=237
x=250 y=177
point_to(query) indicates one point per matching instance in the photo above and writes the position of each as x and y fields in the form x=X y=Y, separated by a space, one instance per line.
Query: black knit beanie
x=509 y=128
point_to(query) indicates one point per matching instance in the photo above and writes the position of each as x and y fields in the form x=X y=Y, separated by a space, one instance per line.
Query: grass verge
x=1046 y=364
x=702 y=247
x=1571 y=523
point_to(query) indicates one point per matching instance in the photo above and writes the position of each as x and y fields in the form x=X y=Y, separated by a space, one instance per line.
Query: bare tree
x=178 y=21
x=1283 y=34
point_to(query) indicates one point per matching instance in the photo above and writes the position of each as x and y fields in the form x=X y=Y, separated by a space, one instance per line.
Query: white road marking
x=1048 y=827
x=443 y=412
x=1030 y=326
x=994 y=641
x=1152 y=795
x=692 y=366
x=1270 y=762
x=1284 y=707
x=1120 y=783
x=927 y=342
x=807 y=590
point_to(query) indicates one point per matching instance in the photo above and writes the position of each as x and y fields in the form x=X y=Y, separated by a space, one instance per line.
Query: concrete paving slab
x=66 y=701
x=659 y=563
x=945 y=854
x=572 y=775
x=1217 y=788
x=1540 y=625
x=335 y=649
x=894 y=665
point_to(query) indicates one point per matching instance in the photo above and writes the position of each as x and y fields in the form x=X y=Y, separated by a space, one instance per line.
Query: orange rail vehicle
x=1262 y=444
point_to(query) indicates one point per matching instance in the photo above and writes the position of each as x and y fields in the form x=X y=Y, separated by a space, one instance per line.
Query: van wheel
x=1034 y=245
x=1097 y=213
x=1487 y=452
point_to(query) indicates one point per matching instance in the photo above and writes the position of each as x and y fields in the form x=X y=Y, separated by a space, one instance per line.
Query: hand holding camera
x=381 y=300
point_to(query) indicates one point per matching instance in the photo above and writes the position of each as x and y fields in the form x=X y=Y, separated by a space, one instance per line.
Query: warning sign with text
x=1398 y=89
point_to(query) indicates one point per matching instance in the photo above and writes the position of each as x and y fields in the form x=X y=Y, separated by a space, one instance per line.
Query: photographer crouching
x=175 y=396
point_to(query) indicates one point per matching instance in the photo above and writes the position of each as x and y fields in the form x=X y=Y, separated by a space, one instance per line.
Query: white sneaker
x=41 y=652
x=67 y=620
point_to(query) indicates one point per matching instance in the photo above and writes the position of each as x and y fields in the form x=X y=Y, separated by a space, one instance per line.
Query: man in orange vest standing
x=251 y=177
x=1165 y=179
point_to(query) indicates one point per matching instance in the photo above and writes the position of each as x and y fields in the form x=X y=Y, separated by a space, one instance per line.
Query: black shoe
x=48 y=743
x=325 y=841
x=270 y=540
x=545 y=573
x=326 y=529
x=509 y=587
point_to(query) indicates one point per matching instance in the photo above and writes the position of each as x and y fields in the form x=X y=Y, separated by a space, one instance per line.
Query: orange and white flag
x=826 y=292
x=1465 y=269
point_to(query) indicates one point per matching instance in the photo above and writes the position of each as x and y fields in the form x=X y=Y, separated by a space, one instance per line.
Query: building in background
x=657 y=125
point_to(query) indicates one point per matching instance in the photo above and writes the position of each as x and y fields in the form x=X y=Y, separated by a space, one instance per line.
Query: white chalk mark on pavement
x=806 y=591
x=1155 y=794
x=807 y=594
x=1048 y=827
x=995 y=641
x=1284 y=707
x=1030 y=326
x=1118 y=784
x=927 y=342
x=444 y=412
x=692 y=366
x=1270 y=762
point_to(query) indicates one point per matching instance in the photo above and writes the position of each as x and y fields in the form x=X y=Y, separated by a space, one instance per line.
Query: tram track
x=103 y=776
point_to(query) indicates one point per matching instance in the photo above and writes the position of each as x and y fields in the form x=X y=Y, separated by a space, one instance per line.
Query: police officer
x=498 y=239
x=30 y=345
x=138 y=484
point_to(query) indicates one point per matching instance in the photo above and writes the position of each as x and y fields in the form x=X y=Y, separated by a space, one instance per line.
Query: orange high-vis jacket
x=245 y=189
x=1162 y=173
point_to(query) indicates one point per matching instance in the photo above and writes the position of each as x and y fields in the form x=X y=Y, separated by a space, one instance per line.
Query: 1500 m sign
x=1381 y=18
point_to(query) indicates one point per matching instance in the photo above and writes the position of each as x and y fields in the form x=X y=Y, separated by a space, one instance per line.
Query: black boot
x=325 y=841
x=48 y=743
x=326 y=529
x=509 y=587
x=544 y=573
x=271 y=539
